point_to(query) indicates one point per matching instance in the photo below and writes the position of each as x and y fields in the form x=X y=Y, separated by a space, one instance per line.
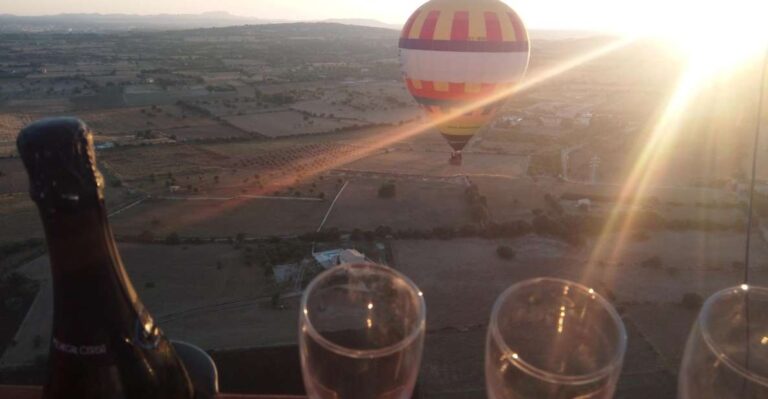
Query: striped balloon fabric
x=456 y=52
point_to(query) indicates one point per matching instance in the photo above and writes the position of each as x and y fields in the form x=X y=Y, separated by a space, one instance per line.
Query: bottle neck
x=90 y=285
x=79 y=240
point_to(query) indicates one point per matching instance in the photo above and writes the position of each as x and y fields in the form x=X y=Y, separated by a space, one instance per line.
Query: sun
x=715 y=35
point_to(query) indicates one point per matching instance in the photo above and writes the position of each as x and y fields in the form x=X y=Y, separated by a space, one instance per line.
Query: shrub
x=172 y=239
x=505 y=252
x=387 y=190
x=691 y=301
x=146 y=236
x=478 y=213
x=654 y=262
x=554 y=204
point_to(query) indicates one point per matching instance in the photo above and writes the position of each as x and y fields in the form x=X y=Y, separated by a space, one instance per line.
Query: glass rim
x=548 y=375
x=721 y=355
x=417 y=329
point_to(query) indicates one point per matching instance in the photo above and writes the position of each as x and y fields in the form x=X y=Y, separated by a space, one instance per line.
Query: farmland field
x=13 y=177
x=169 y=279
x=436 y=164
x=286 y=123
x=203 y=218
x=417 y=205
x=10 y=124
x=19 y=218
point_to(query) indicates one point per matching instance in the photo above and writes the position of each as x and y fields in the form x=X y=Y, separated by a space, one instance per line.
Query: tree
x=691 y=301
x=276 y=301
x=478 y=213
x=654 y=262
x=387 y=190
x=505 y=252
x=146 y=236
x=173 y=239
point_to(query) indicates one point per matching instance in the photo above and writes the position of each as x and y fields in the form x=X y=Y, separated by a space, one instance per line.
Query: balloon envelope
x=456 y=52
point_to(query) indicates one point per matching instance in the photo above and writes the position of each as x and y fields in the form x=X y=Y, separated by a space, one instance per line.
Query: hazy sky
x=581 y=14
x=614 y=15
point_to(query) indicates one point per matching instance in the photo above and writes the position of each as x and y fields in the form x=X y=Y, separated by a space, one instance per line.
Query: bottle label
x=80 y=350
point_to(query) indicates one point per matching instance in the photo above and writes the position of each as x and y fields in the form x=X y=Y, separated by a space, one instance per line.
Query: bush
x=544 y=225
x=691 y=301
x=387 y=190
x=505 y=252
x=478 y=213
x=173 y=239
x=554 y=204
x=146 y=236
x=654 y=262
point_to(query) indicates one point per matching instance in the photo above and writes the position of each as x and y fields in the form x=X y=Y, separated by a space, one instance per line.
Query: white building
x=334 y=257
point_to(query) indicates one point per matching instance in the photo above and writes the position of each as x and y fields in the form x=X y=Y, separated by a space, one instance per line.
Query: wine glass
x=361 y=333
x=727 y=351
x=552 y=338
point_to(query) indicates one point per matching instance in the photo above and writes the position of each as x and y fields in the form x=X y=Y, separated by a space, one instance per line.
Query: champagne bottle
x=104 y=343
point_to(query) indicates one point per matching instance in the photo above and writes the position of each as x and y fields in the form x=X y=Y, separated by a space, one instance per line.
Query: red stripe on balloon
x=456 y=91
x=492 y=27
x=520 y=33
x=464 y=46
x=460 y=27
x=428 y=86
x=428 y=30
x=409 y=25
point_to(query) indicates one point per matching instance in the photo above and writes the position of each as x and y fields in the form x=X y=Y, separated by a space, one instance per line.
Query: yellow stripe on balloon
x=507 y=29
x=472 y=87
x=477 y=25
x=444 y=25
x=418 y=24
x=456 y=130
x=442 y=86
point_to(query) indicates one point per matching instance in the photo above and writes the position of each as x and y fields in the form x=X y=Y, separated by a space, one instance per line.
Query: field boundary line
x=330 y=208
x=271 y=197
x=131 y=205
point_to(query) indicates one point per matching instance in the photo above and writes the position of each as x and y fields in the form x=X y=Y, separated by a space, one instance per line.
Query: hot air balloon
x=454 y=53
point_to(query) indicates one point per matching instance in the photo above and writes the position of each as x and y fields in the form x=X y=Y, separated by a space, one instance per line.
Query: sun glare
x=716 y=35
x=717 y=38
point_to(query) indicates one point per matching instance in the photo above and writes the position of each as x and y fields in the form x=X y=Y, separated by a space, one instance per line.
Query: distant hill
x=128 y=22
x=105 y=23
x=122 y=22
x=301 y=31
x=364 y=22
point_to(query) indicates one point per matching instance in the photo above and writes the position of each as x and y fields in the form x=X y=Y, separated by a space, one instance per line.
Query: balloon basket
x=455 y=159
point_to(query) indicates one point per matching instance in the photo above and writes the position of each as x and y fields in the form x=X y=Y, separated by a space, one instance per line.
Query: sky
x=609 y=15
x=627 y=16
